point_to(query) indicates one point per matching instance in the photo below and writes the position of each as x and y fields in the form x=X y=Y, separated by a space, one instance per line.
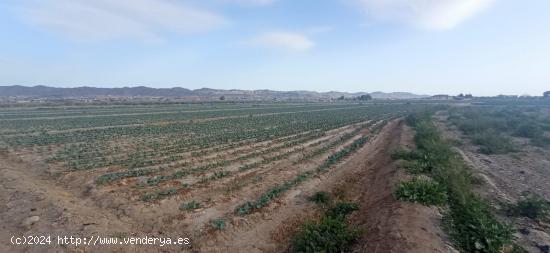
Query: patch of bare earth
x=34 y=206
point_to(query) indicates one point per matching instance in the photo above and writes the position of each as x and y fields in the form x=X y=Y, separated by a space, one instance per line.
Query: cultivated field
x=225 y=175
x=277 y=177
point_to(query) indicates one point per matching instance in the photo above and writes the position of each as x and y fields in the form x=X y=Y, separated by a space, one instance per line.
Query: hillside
x=178 y=92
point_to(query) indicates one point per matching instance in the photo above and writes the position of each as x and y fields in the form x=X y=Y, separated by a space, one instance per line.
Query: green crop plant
x=190 y=205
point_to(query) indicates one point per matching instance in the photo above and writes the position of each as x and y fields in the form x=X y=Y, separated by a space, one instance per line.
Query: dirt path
x=391 y=225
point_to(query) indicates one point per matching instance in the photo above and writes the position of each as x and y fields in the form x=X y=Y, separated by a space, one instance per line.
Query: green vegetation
x=490 y=127
x=152 y=148
x=271 y=194
x=218 y=224
x=190 y=206
x=469 y=221
x=533 y=207
x=320 y=198
x=423 y=191
x=491 y=142
x=331 y=234
x=274 y=192
x=158 y=194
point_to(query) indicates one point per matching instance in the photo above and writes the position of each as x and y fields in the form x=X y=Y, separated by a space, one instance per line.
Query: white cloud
x=110 y=19
x=282 y=40
x=424 y=14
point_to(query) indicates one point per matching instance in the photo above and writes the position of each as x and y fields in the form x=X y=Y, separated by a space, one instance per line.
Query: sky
x=483 y=47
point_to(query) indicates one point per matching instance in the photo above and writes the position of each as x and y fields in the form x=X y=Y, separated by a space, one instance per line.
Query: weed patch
x=320 y=198
x=331 y=234
x=533 y=207
x=469 y=221
x=426 y=192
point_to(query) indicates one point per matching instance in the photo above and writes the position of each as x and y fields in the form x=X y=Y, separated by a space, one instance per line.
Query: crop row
x=210 y=165
x=266 y=160
x=274 y=192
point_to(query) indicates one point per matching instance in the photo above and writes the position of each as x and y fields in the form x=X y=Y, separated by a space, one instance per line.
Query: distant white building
x=441 y=97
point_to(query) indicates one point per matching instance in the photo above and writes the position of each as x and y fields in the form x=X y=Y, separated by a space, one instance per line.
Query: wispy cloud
x=282 y=40
x=424 y=14
x=111 y=19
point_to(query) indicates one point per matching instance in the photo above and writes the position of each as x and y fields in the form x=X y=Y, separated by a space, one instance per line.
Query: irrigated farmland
x=225 y=175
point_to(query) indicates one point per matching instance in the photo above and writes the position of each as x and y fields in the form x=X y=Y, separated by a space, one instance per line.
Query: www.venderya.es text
x=97 y=240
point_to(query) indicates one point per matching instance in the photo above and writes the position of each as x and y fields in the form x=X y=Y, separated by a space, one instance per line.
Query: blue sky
x=484 y=47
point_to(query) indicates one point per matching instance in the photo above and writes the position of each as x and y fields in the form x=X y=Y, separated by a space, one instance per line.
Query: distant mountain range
x=204 y=93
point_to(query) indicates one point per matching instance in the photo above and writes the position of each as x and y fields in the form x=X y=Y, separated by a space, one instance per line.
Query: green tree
x=365 y=97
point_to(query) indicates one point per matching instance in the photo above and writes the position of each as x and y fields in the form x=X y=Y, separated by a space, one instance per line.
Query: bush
x=320 y=198
x=533 y=207
x=528 y=130
x=493 y=143
x=426 y=192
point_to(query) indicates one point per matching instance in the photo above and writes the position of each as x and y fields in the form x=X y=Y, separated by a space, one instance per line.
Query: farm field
x=279 y=177
x=228 y=176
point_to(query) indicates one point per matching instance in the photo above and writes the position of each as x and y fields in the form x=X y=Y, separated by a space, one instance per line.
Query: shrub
x=320 y=197
x=533 y=207
x=528 y=130
x=426 y=192
x=491 y=142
